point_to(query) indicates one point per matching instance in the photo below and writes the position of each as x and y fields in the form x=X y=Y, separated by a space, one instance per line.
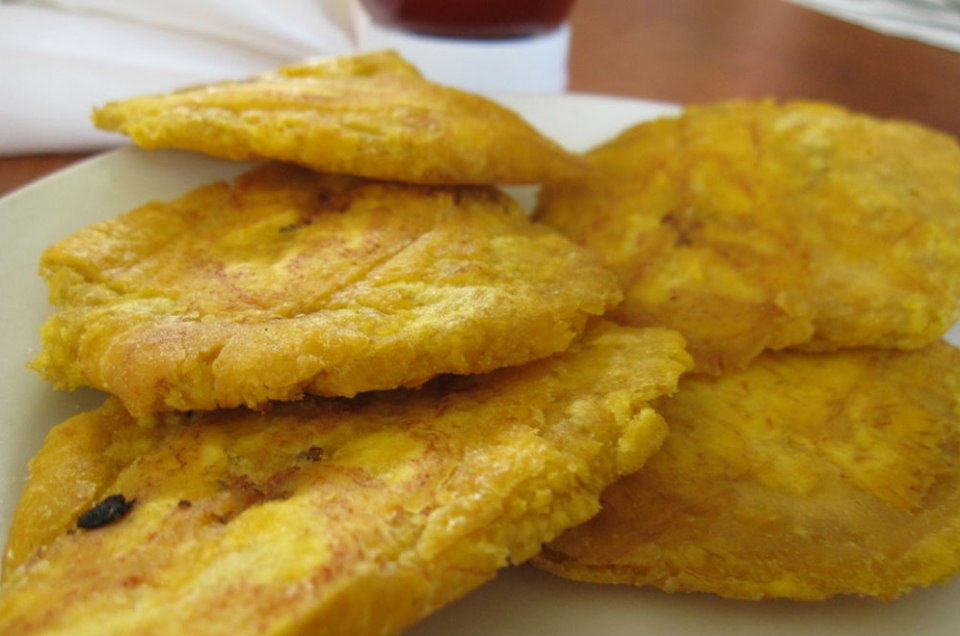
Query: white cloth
x=61 y=58
x=934 y=22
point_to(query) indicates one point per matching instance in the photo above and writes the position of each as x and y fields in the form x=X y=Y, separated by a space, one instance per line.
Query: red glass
x=471 y=18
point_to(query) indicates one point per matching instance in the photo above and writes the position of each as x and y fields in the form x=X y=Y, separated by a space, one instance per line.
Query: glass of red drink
x=482 y=19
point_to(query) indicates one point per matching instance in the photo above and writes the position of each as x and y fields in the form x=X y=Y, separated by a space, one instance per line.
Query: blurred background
x=59 y=58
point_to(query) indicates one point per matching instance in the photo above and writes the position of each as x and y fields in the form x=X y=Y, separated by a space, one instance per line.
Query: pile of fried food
x=352 y=385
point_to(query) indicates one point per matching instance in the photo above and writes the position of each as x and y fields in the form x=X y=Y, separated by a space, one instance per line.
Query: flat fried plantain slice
x=804 y=477
x=327 y=516
x=290 y=281
x=754 y=225
x=371 y=115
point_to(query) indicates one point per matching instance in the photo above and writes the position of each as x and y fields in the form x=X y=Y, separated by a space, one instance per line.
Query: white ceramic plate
x=522 y=600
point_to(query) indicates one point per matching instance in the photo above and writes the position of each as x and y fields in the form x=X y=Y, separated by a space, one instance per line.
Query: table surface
x=704 y=50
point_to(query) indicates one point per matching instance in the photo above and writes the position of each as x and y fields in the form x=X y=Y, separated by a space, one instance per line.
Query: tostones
x=371 y=115
x=327 y=515
x=752 y=225
x=805 y=476
x=290 y=282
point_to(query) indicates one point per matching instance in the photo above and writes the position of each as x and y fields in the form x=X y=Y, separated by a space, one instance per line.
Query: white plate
x=522 y=600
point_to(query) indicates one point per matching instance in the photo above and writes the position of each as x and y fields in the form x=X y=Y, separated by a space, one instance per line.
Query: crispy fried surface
x=752 y=225
x=329 y=516
x=371 y=115
x=805 y=476
x=292 y=282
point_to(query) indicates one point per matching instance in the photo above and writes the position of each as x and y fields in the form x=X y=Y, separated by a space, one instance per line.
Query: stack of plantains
x=350 y=386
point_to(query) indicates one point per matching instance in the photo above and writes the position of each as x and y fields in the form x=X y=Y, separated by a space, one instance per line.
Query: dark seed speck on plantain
x=107 y=511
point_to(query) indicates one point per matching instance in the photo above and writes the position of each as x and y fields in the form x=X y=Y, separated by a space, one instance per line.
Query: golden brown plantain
x=292 y=282
x=753 y=225
x=371 y=115
x=805 y=476
x=327 y=516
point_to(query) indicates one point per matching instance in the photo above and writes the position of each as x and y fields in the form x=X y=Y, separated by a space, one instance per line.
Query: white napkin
x=935 y=22
x=61 y=58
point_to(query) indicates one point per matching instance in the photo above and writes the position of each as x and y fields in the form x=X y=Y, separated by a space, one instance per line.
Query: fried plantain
x=290 y=281
x=327 y=516
x=805 y=476
x=752 y=225
x=371 y=115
